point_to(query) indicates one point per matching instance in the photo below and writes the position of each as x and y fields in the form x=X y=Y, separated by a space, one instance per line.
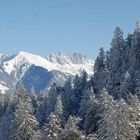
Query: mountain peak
x=65 y=58
x=22 y=52
x=26 y=54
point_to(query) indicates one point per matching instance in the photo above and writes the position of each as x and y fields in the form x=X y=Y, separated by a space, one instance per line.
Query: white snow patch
x=3 y=87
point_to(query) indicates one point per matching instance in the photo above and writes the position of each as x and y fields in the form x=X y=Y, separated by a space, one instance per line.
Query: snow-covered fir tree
x=126 y=86
x=72 y=124
x=100 y=70
x=46 y=103
x=84 y=104
x=53 y=93
x=79 y=86
x=115 y=64
x=4 y=101
x=104 y=113
x=24 y=125
x=33 y=97
x=41 y=108
x=134 y=103
x=68 y=98
x=59 y=108
x=71 y=130
x=8 y=108
x=89 y=108
x=53 y=127
x=117 y=122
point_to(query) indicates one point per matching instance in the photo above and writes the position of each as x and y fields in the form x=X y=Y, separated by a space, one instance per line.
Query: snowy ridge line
x=25 y=59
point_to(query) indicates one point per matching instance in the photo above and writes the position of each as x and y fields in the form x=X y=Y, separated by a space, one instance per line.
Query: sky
x=48 y=26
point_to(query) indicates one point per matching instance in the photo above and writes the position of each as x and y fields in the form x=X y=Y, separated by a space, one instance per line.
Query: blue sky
x=47 y=26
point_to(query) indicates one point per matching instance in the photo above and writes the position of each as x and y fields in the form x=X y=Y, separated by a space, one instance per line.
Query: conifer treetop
x=138 y=24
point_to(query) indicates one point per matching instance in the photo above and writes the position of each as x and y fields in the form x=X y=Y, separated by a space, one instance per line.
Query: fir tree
x=100 y=61
x=117 y=122
x=33 y=98
x=100 y=71
x=79 y=86
x=52 y=129
x=134 y=103
x=24 y=125
x=71 y=131
x=116 y=62
x=68 y=98
x=59 y=109
x=42 y=106
x=88 y=110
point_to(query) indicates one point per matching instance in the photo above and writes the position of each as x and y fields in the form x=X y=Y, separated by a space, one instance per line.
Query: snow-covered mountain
x=68 y=64
x=63 y=58
x=16 y=67
x=2 y=57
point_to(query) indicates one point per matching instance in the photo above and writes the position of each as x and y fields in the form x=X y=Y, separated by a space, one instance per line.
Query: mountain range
x=39 y=72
